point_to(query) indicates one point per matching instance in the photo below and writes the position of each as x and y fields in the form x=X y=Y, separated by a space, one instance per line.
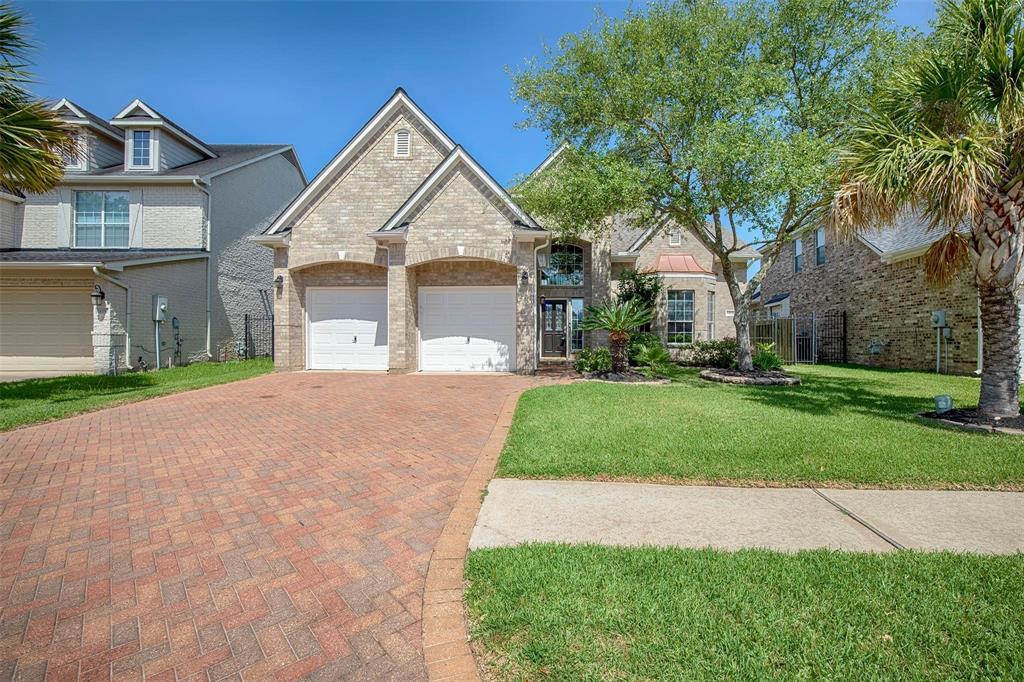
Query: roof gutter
x=127 y=314
x=72 y=179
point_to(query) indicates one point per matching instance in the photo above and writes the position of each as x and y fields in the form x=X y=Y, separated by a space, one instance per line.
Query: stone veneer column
x=526 y=307
x=289 y=353
x=398 y=311
x=108 y=332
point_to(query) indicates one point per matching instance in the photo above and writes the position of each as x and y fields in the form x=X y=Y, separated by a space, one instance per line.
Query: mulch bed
x=753 y=378
x=969 y=420
x=623 y=378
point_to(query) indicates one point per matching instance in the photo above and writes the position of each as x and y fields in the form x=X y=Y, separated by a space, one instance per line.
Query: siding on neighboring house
x=887 y=304
x=245 y=202
x=174 y=153
x=10 y=223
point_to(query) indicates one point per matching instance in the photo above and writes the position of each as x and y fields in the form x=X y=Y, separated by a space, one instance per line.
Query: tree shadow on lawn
x=63 y=389
x=831 y=396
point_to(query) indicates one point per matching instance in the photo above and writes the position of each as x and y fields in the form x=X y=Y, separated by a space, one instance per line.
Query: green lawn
x=847 y=426
x=40 y=400
x=597 y=613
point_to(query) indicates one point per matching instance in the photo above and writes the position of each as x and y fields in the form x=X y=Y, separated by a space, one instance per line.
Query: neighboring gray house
x=404 y=254
x=146 y=209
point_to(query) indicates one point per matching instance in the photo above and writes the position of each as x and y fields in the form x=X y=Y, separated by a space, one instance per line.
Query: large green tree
x=944 y=136
x=706 y=114
x=33 y=140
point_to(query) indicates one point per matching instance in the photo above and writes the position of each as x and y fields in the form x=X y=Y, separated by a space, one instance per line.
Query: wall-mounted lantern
x=97 y=295
x=525 y=276
x=279 y=283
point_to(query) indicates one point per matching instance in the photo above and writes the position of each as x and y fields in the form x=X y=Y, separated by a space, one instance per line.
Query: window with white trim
x=819 y=246
x=402 y=143
x=711 y=315
x=675 y=238
x=142 y=149
x=680 y=316
x=74 y=159
x=101 y=220
x=798 y=255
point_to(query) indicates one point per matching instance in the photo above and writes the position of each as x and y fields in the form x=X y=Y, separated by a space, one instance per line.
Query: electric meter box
x=938 y=319
x=159 y=308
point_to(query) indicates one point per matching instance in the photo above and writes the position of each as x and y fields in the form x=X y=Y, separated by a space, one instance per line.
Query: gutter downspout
x=536 y=303
x=208 y=237
x=127 y=314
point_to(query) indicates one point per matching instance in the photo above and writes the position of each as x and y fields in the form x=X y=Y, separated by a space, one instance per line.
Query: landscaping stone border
x=712 y=375
x=963 y=426
x=446 y=648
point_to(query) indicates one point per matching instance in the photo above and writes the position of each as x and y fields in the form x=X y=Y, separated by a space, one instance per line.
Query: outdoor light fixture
x=525 y=277
x=279 y=282
x=97 y=295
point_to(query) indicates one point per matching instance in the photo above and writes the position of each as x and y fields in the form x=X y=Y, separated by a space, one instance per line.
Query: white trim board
x=399 y=98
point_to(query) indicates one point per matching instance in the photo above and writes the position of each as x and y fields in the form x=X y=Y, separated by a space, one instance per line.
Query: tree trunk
x=618 y=346
x=997 y=244
x=1000 y=369
x=744 y=353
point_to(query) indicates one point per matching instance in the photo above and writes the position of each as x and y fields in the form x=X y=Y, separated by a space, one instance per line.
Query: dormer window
x=402 y=143
x=141 y=149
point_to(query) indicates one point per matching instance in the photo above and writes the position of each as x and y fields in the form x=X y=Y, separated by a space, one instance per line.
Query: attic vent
x=402 y=143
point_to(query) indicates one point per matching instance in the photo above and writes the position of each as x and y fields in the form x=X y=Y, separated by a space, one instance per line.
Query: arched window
x=564 y=268
x=402 y=143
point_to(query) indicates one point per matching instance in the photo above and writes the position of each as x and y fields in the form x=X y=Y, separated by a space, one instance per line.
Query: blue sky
x=310 y=74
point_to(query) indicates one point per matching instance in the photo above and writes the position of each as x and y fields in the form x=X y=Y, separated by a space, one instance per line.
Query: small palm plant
x=619 y=320
x=33 y=140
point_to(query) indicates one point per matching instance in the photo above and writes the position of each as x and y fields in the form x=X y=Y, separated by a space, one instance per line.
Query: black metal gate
x=832 y=336
x=259 y=336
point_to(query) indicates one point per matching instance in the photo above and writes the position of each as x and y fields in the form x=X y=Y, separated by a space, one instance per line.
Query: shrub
x=638 y=340
x=714 y=353
x=655 y=361
x=645 y=287
x=766 y=359
x=593 y=360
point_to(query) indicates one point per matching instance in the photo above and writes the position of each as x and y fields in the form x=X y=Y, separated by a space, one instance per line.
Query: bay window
x=680 y=317
x=101 y=220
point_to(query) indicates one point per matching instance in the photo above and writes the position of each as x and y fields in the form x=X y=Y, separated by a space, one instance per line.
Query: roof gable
x=461 y=160
x=138 y=113
x=398 y=101
x=70 y=112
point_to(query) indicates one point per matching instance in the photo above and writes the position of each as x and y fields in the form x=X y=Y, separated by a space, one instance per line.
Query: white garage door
x=45 y=330
x=348 y=328
x=467 y=329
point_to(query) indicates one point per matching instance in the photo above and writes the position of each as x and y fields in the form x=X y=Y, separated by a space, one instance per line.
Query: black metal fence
x=259 y=336
x=804 y=338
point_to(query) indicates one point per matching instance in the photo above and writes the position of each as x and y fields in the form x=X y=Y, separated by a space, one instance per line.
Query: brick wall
x=888 y=304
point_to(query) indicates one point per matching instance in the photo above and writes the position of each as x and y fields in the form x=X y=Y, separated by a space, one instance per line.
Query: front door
x=553 y=328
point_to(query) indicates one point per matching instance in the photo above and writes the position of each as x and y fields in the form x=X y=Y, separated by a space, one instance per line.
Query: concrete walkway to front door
x=787 y=519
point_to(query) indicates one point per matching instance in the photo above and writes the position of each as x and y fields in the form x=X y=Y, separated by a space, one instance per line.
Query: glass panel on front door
x=553 y=334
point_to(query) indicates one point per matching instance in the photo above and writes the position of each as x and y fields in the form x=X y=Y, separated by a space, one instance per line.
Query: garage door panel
x=467 y=329
x=44 y=330
x=348 y=329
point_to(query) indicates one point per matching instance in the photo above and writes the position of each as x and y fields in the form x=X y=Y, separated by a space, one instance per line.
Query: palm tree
x=619 y=320
x=944 y=137
x=33 y=140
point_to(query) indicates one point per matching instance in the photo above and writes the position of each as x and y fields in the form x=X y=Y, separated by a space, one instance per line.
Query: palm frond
x=946 y=258
x=33 y=141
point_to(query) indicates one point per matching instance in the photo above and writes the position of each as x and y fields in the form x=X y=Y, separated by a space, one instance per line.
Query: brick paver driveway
x=277 y=527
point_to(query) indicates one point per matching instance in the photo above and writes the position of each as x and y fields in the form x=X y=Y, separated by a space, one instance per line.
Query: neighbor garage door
x=467 y=329
x=45 y=330
x=348 y=328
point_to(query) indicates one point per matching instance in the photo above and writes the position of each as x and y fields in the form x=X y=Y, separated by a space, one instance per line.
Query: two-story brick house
x=145 y=209
x=404 y=254
x=877 y=279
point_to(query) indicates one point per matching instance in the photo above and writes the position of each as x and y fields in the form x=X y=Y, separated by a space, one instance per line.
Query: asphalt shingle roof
x=88 y=255
x=227 y=155
x=909 y=231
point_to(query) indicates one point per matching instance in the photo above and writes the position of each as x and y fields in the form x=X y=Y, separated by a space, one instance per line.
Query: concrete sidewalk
x=788 y=519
